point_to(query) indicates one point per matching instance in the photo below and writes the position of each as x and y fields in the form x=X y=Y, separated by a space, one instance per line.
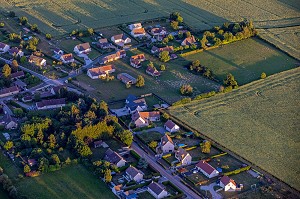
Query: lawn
x=71 y=182
x=226 y=162
x=259 y=121
x=245 y=59
x=145 y=195
x=147 y=137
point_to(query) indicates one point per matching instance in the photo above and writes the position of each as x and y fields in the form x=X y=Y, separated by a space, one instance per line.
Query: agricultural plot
x=245 y=59
x=259 y=121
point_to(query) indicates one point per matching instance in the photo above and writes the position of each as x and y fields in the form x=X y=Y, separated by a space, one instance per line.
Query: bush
x=263 y=75
x=167 y=155
x=191 y=148
x=182 y=101
x=135 y=155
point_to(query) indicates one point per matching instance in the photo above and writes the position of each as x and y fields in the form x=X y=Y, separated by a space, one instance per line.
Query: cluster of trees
x=32 y=44
x=140 y=81
x=230 y=81
x=205 y=147
x=186 y=89
x=164 y=56
x=203 y=70
x=8 y=186
x=83 y=33
x=176 y=19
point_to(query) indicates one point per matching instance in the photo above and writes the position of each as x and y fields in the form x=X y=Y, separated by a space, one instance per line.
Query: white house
x=138 y=32
x=135 y=26
x=159 y=31
x=141 y=119
x=51 y=104
x=171 y=127
x=14 y=51
x=166 y=144
x=4 y=47
x=114 y=158
x=38 y=61
x=183 y=156
x=227 y=183
x=207 y=169
x=157 y=191
x=121 y=39
x=8 y=122
x=134 y=174
x=82 y=48
x=67 y=58
x=102 y=71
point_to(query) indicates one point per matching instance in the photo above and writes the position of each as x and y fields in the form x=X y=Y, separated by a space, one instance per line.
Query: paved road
x=151 y=160
x=210 y=188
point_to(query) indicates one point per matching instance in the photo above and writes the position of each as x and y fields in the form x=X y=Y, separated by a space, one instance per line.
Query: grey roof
x=112 y=156
x=156 y=188
x=132 y=171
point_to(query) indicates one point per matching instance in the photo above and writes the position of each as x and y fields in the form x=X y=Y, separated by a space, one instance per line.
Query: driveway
x=161 y=130
x=210 y=188
x=120 y=112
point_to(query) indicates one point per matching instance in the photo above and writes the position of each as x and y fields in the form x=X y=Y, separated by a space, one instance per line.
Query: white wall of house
x=168 y=147
x=121 y=163
x=5 y=49
x=229 y=186
x=51 y=106
x=187 y=160
x=163 y=194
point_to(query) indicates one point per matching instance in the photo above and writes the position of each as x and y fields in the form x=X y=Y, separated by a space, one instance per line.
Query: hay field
x=259 y=121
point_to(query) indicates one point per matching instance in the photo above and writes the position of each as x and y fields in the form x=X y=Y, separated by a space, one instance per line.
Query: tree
x=153 y=144
x=52 y=141
x=6 y=71
x=162 y=67
x=142 y=164
x=107 y=176
x=18 y=112
x=176 y=16
x=48 y=36
x=23 y=59
x=164 y=56
x=186 y=89
x=40 y=136
x=11 y=14
x=26 y=168
x=90 y=31
x=263 y=75
x=85 y=151
x=206 y=147
x=170 y=37
x=34 y=27
x=14 y=65
x=126 y=137
x=1 y=170
x=140 y=82
x=230 y=81
x=174 y=25
x=166 y=116
x=151 y=64
x=23 y=20
x=8 y=145
x=188 y=34
x=55 y=159
x=1 y=24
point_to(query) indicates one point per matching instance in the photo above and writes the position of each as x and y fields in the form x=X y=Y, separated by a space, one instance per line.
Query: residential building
x=152 y=71
x=166 y=144
x=183 y=156
x=101 y=71
x=67 y=58
x=188 y=41
x=121 y=39
x=58 y=51
x=51 y=104
x=141 y=119
x=57 y=89
x=126 y=78
x=136 y=60
x=4 y=47
x=171 y=127
x=135 y=26
x=134 y=174
x=157 y=191
x=207 y=169
x=104 y=44
x=82 y=48
x=114 y=158
x=130 y=194
x=155 y=49
x=14 y=51
x=227 y=183
x=112 y=57
x=138 y=32
x=9 y=91
x=20 y=84
x=27 y=98
x=8 y=122
x=16 y=75
x=134 y=104
x=98 y=143
x=38 y=61
x=159 y=31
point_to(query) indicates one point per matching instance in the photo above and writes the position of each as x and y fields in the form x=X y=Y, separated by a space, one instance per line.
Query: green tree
x=51 y=141
x=23 y=59
x=142 y=163
x=26 y=168
x=263 y=75
x=153 y=144
x=162 y=67
x=151 y=64
x=230 y=81
x=48 y=36
x=23 y=20
x=1 y=24
x=34 y=27
x=11 y=14
x=170 y=37
x=14 y=65
x=68 y=161
x=1 y=170
x=18 y=112
x=40 y=136
x=206 y=147
x=140 y=82
x=8 y=145
x=55 y=159
x=6 y=71
x=164 y=56
x=186 y=89
x=126 y=137
x=174 y=25
x=90 y=31
x=107 y=176
x=188 y=34
x=85 y=151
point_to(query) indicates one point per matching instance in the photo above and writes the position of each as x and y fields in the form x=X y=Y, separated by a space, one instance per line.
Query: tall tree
x=6 y=71
x=26 y=168
x=52 y=141
x=164 y=56
x=107 y=175
x=14 y=65
x=140 y=82
x=206 y=147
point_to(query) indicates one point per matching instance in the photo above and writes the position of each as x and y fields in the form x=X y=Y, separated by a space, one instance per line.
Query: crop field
x=259 y=121
x=245 y=59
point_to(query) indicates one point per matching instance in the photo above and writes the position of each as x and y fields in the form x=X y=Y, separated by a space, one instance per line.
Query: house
x=82 y=48
x=171 y=127
x=98 y=144
x=183 y=156
x=135 y=26
x=188 y=41
x=173 y=56
x=114 y=158
x=134 y=174
x=14 y=51
x=67 y=58
x=27 y=98
x=121 y=39
x=8 y=122
x=227 y=183
x=159 y=31
x=166 y=144
x=126 y=78
x=20 y=84
x=134 y=104
x=51 y=104
x=157 y=191
x=4 y=47
x=138 y=32
x=32 y=162
x=17 y=75
x=38 y=61
x=101 y=71
x=104 y=44
x=155 y=49
x=58 y=51
x=9 y=91
x=57 y=89
x=141 y=119
x=207 y=169
x=130 y=194
x=136 y=60
x=152 y=71
x=112 y=57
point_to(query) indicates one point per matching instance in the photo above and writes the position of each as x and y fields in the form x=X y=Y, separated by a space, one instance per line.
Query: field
x=245 y=59
x=259 y=121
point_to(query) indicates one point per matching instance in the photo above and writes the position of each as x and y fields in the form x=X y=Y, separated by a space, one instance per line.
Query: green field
x=245 y=59
x=259 y=121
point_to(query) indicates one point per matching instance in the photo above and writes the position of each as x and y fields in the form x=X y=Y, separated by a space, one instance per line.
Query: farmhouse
x=9 y=91
x=121 y=39
x=58 y=51
x=114 y=158
x=138 y=32
x=112 y=57
x=8 y=122
x=227 y=183
x=14 y=51
x=67 y=58
x=157 y=191
x=126 y=78
x=183 y=156
x=38 y=61
x=102 y=71
x=188 y=41
x=104 y=44
x=20 y=84
x=207 y=169
x=134 y=174
x=136 y=60
x=141 y=119
x=135 y=26
x=17 y=75
x=82 y=48
x=134 y=104
x=166 y=144
x=155 y=49
x=152 y=71
x=159 y=31
x=4 y=47
x=171 y=127
x=51 y=104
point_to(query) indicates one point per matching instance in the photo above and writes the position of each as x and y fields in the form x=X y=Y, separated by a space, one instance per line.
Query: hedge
x=166 y=156
x=237 y=171
x=180 y=192
x=219 y=155
x=182 y=101
x=135 y=155
x=191 y=52
x=137 y=186
x=191 y=148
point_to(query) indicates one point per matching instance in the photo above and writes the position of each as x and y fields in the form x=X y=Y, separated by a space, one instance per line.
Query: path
x=210 y=188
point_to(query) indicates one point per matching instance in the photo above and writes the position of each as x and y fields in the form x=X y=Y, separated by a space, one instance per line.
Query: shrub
x=182 y=101
x=263 y=75
x=135 y=155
